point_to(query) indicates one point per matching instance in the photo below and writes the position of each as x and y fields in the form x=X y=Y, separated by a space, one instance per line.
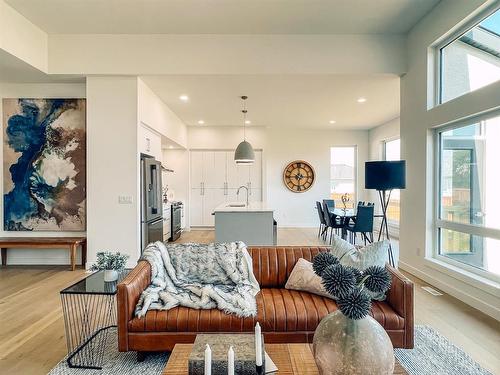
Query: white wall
x=417 y=205
x=226 y=54
x=178 y=181
x=156 y=115
x=279 y=148
x=313 y=146
x=376 y=138
x=112 y=166
x=21 y=38
x=31 y=256
x=378 y=135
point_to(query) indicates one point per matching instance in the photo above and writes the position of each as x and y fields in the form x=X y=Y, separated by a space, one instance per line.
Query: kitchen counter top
x=252 y=207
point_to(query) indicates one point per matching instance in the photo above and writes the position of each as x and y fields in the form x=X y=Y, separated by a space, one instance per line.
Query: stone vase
x=345 y=346
x=110 y=275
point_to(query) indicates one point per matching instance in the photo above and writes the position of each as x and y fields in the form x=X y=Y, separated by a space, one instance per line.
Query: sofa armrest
x=128 y=292
x=400 y=298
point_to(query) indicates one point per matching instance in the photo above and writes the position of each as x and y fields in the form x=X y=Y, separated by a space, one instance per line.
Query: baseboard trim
x=288 y=226
x=469 y=299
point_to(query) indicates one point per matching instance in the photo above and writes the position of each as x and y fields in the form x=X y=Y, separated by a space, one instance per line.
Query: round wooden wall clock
x=298 y=176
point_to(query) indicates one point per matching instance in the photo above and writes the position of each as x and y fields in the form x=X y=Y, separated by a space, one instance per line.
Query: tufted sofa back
x=273 y=265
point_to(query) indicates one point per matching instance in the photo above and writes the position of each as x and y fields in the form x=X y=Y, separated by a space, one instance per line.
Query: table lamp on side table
x=385 y=176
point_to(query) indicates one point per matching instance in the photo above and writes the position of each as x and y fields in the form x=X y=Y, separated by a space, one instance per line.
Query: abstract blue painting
x=44 y=164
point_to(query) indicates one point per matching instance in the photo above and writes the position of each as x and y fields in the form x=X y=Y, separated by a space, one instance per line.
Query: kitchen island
x=253 y=223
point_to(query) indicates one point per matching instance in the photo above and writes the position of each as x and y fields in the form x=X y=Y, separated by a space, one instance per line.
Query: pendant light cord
x=244 y=98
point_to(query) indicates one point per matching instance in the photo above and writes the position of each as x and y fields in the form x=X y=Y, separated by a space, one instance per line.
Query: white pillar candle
x=208 y=360
x=258 y=345
x=230 y=361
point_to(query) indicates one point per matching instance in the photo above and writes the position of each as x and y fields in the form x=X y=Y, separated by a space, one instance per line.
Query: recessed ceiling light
x=248 y=122
x=170 y=146
x=361 y=100
x=332 y=121
x=184 y=98
x=201 y=122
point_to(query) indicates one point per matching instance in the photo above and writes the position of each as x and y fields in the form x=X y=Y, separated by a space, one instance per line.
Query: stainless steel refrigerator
x=151 y=201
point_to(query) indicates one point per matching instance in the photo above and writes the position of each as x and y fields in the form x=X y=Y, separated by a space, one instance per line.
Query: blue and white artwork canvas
x=44 y=164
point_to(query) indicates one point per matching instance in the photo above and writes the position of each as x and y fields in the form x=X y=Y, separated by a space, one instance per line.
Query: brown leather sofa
x=286 y=316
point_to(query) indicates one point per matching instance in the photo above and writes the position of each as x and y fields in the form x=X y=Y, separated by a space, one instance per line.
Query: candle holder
x=244 y=354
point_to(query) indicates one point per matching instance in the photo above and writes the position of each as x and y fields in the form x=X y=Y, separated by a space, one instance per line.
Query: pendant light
x=244 y=152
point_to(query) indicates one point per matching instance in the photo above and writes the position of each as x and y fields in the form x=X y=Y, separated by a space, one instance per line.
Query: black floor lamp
x=385 y=176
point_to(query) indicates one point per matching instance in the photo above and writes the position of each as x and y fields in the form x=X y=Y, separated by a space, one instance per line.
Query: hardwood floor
x=32 y=331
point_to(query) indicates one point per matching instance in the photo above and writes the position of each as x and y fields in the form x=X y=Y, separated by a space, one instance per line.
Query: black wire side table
x=89 y=309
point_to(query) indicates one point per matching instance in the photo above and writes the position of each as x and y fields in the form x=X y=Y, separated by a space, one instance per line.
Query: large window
x=343 y=175
x=468 y=216
x=472 y=60
x=392 y=151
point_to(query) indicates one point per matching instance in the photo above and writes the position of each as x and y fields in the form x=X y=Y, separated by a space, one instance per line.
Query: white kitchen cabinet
x=215 y=178
x=212 y=199
x=231 y=170
x=149 y=142
x=196 y=168
x=196 y=201
x=255 y=195
x=217 y=175
x=255 y=178
x=232 y=197
x=243 y=175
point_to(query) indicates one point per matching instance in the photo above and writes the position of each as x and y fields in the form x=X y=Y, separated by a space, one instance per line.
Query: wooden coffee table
x=291 y=359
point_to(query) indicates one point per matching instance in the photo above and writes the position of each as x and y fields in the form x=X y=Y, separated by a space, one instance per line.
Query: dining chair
x=363 y=223
x=322 y=221
x=333 y=222
x=330 y=203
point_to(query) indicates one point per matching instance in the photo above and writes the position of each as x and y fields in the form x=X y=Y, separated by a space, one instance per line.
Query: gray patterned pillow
x=362 y=257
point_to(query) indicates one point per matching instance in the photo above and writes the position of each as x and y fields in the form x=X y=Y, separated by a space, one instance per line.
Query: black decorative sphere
x=323 y=260
x=355 y=305
x=338 y=280
x=357 y=273
x=379 y=280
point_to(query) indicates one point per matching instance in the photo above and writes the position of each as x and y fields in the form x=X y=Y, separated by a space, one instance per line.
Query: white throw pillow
x=304 y=279
x=374 y=254
x=362 y=257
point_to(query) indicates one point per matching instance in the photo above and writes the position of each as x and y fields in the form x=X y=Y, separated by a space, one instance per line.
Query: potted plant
x=349 y=341
x=110 y=263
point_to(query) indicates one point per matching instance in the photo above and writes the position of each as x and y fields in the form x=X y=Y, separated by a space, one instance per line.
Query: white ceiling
x=14 y=70
x=224 y=16
x=305 y=101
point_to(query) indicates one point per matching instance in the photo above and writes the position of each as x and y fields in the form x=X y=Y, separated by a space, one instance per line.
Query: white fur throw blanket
x=201 y=277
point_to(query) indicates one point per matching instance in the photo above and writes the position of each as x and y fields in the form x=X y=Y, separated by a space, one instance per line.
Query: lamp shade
x=244 y=153
x=385 y=175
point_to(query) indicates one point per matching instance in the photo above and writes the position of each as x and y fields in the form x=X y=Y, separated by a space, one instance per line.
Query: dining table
x=345 y=215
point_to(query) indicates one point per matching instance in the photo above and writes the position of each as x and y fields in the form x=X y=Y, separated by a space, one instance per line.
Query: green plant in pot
x=110 y=263
x=349 y=341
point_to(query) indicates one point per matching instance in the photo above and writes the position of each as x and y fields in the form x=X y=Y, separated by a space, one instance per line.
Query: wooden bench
x=71 y=243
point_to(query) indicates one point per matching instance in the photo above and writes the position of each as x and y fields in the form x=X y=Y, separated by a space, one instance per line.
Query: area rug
x=433 y=355
x=116 y=363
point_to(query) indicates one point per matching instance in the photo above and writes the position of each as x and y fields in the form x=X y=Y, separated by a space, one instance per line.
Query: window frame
x=446 y=40
x=387 y=140
x=438 y=223
x=355 y=147
x=392 y=223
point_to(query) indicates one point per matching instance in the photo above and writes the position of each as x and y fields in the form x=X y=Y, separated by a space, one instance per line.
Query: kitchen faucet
x=238 y=191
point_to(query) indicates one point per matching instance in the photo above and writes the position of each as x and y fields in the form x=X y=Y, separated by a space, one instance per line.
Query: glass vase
x=346 y=346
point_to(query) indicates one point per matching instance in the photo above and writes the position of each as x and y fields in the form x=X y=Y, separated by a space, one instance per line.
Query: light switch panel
x=125 y=199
